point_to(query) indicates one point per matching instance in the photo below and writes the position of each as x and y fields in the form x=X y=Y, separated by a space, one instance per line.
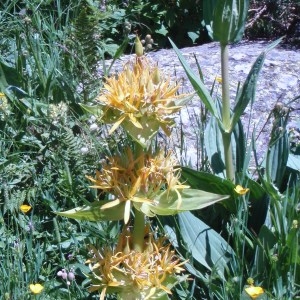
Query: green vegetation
x=55 y=131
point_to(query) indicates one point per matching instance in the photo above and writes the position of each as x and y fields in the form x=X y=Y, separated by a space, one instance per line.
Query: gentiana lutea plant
x=228 y=23
x=140 y=183
x=229 y=154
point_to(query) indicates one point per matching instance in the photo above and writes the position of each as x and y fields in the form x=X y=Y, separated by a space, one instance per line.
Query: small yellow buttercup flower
x=240 y=190
x=36 y=288
x=25 y=208
x=254 y=291
x=219 y=79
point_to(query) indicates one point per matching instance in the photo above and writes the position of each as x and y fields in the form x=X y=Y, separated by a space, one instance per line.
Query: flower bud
x=295 y=224
x=27 y=20
x=84 y=150
x=139 y=50
x=62 y=273
x=156 y=76
x=94 y=127
x=229 y=20
x=278 y=107
x=148 y=47
x=150 y=87
x=148 y=38
x=71 y=276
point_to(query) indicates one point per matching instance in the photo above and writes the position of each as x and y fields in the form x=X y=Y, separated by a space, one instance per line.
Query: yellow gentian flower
x=137 y=178
x=139 y=97
x=240 y=190
x=138 y=274
x=36 y=288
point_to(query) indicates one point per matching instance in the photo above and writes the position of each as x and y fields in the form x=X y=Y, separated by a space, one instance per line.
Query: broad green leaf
x=258 y=206
x=214 y=147
x=267 y=240
x=207 y=182
x=294 y=162
x=142 y=136
x=258 y=198
x=95 y=110
x=94 y=212
x=117 y=55
x=242 y=157
x=171 y=202
x=193 y=36
x=213 y=184
x=9 y=76
x=206 y=245
x=182 y=100
x=247 y=93
x=208 y=9
x=120 y=51
x=162 y=30
x=10 y=82
x=229 y=20
x=278 y=152
x=292 y=242
x=198 y=85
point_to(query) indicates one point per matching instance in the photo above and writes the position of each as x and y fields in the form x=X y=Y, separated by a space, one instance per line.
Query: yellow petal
x=25 y=208
x=111 y=204
x=104 y=186
x=102 y=296
x=134 y=121
x=136 y=186
x=254 y=291
x=141 y=200
x=127 y=211
x=36 y=288
x=117 y=124
x=240 y=190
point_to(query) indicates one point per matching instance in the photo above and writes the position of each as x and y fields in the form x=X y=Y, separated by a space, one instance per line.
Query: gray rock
x=279 y=80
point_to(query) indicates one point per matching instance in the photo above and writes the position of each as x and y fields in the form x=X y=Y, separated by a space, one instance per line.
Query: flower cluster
x=138 y=179
x=133 y=178
x=68 y=276
x=140 y=98
x=58 y=112
x=133 y=274
x=4 y=107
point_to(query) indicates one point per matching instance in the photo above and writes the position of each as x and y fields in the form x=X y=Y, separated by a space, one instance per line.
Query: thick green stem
x=138 y=231
x=226 y=113
x=139 y=217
